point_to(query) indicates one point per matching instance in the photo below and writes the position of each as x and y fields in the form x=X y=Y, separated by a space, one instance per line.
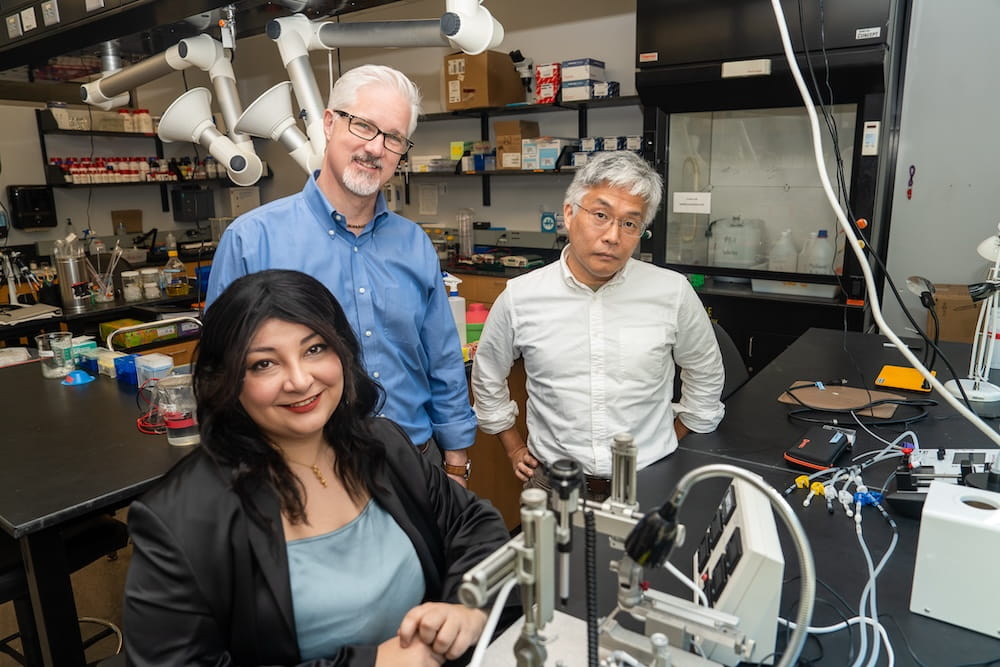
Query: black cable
x=590 y=554
x=842 y=186
x=797 y=415
x=906 y=640
x=912 y=402
x=937 y=332
x=982 y=663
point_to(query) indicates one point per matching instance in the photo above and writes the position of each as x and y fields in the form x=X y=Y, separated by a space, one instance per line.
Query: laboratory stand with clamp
x=735 y=579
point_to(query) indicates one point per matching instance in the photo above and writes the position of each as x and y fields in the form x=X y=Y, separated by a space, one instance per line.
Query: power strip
x=739 y=566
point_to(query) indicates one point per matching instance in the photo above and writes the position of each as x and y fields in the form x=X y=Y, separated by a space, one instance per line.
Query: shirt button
x=368 y=333
x=375 y=374
x=355 y=248
x=330 y=232
x=361 y=290
x=338 y=218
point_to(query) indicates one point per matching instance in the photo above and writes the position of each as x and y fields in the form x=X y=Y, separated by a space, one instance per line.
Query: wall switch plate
x=50 y=12
x=13 y=26
x=94 y=5
x=28 y=19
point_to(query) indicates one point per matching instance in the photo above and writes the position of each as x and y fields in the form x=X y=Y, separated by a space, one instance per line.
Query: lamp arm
x=201 y=51
x=465 y=25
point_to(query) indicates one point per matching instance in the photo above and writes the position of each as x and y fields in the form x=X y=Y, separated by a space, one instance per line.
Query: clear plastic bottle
x=821 y=253
x=803 y=260
x=783 y=256
x=457 y=304
x=175 y=282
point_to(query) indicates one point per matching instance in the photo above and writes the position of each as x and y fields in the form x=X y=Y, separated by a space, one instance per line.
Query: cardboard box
x=605 y=89
x=957 y=313
x=577 y=91
x=154 y=333
x=582 y=69
x=485 y=80
x=509 y=134
x=529 y=154
x=547 y=81
x=550 y=148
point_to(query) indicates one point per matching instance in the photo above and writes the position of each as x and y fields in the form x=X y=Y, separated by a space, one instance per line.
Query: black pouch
x=820 y=447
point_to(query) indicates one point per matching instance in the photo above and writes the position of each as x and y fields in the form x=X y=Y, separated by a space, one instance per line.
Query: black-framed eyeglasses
x=367 y=130
x=602 y=220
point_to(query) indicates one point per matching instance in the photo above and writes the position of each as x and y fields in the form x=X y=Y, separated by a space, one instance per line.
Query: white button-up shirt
x=599 y=362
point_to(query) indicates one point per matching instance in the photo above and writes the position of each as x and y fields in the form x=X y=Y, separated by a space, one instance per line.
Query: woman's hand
x=448 y=629
x=391 y=653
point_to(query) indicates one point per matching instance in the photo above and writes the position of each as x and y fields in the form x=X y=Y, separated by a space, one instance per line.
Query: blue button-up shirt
x=388 y=280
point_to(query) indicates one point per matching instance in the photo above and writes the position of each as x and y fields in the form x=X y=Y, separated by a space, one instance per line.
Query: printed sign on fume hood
x=693 y=202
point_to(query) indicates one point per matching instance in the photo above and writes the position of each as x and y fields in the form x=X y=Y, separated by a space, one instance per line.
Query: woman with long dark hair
x=305 y=529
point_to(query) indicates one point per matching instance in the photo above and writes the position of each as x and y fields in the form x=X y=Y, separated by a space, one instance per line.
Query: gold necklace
x=313 y=466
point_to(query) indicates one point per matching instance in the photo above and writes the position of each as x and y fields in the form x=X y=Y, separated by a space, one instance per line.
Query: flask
x=821 y=253
x=174 y=272
x=784 y=256
x=457 y=304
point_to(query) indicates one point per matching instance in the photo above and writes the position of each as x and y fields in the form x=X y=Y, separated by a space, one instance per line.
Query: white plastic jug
x=784 y=256
x=738 y=243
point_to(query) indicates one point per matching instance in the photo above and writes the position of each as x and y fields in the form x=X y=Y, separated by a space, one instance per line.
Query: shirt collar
x=572 y=280
x=324 y=210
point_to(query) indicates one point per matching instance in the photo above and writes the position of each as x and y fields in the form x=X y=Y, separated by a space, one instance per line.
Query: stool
x=86 y=540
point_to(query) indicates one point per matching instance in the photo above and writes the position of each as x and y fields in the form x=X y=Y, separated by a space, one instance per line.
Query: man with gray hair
x=382 y=267
x=599 y=333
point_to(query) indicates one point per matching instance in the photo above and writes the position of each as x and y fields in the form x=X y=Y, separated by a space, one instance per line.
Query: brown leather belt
x=598 y=488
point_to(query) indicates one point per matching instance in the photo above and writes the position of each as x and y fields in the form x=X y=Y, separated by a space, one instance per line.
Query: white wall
x=948 y=134
x=547 y=31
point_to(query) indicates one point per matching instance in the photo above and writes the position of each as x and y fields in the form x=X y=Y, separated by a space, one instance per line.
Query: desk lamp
x=984 y=396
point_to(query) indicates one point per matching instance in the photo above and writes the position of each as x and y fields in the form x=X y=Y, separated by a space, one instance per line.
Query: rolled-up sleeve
x=702 y=372
x=494 y=357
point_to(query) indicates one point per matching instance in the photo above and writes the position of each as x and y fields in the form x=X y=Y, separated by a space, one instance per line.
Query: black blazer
x=208 y=586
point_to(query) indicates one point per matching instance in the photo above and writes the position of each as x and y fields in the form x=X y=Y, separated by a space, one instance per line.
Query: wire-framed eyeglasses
x=602 y=220
x=367 y=130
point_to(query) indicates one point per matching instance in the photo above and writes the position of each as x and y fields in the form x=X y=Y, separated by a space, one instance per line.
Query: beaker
x=176 y=404
x=55 y=353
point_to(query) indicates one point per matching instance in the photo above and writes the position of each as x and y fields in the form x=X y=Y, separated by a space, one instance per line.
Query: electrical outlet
x=28 y=20
x=13 y=26
x=442 y=189
x=93 y=5
x=50 y=12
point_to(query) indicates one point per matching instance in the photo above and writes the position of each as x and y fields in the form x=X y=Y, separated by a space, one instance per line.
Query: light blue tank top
x=354 y=585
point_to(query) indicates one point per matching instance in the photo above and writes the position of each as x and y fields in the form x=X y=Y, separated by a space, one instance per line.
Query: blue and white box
x=550 y=148
x=605 y=89
x=613 y=143
x=529 y=154
x=582 y=69
x=631 y=142
x=577 y=91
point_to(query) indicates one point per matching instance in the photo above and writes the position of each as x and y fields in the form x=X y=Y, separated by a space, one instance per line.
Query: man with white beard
x=382 y=267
